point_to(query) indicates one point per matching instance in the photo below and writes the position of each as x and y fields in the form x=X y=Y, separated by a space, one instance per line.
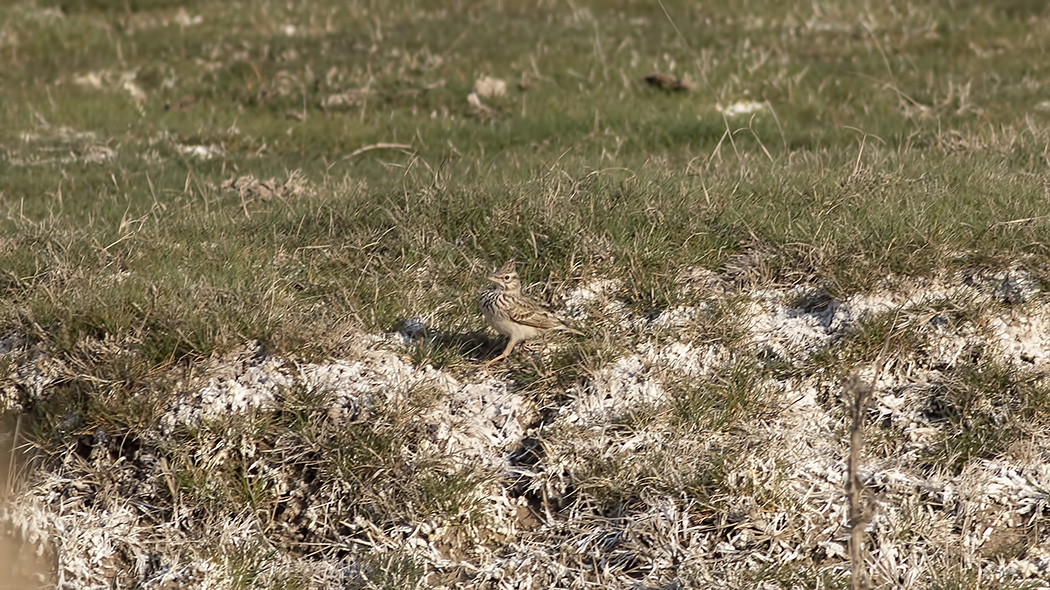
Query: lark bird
x=514 y=315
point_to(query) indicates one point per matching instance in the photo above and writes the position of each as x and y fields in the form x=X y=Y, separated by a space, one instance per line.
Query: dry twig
x=860 y=394
x=377 y=146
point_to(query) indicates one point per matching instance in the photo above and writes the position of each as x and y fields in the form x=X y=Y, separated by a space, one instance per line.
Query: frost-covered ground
x=684 y=461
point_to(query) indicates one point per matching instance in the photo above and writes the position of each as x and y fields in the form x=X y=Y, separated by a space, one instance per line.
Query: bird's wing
x=535 y=316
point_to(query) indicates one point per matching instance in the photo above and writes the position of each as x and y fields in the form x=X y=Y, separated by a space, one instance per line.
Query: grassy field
x=903 y=140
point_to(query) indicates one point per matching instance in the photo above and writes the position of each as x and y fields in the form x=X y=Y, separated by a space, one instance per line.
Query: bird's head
x=506 y=277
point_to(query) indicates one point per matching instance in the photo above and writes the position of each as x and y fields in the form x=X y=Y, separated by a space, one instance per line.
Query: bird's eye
x=506 y=277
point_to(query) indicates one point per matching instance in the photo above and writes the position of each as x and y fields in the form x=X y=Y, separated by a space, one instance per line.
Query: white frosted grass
x=782 y=479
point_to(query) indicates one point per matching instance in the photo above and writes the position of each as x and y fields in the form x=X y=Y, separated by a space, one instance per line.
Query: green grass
x=981 y=410
x=718 y=402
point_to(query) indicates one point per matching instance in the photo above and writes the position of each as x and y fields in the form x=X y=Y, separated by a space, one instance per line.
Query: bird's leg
x=506 y=351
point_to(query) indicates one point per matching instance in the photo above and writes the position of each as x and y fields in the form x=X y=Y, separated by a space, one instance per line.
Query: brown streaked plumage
x=514 y=315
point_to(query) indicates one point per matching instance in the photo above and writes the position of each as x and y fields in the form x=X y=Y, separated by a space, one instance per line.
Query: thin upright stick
x=861 y=393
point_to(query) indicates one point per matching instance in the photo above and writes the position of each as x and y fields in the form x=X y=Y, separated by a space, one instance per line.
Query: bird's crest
x=509 y=267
